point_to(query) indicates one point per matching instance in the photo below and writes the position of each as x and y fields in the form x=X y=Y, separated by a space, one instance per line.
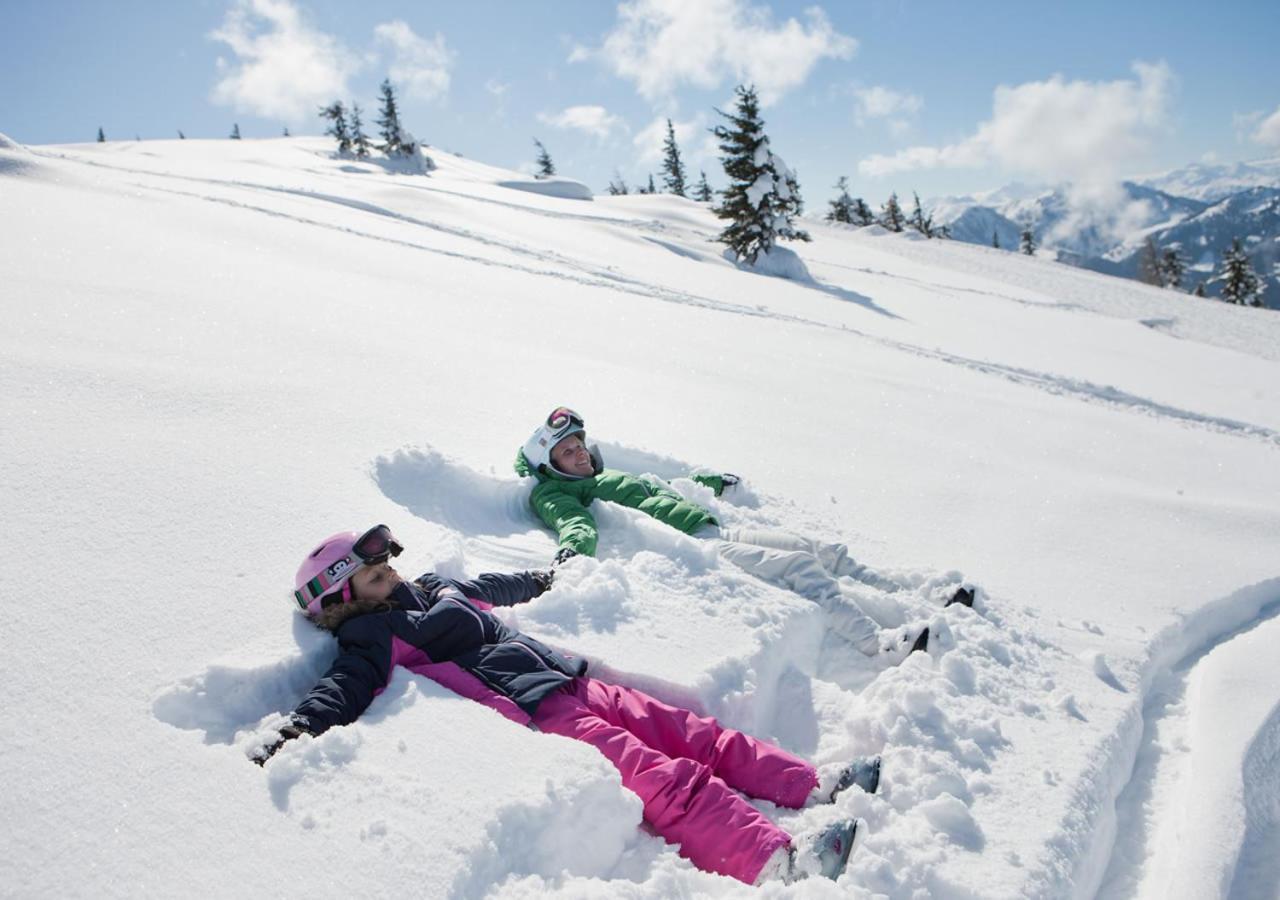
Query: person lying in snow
x=570 y=475
x=687 y=770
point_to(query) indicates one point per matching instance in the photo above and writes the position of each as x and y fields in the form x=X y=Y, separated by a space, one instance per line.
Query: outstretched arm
x=346 y=690
x=498 y=589
x=717 y=483
x=572 y=523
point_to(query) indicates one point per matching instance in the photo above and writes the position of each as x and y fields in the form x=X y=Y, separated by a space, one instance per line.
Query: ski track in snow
x=1155 y=804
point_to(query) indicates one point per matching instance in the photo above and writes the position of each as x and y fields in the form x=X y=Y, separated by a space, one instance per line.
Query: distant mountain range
x=1198 y=209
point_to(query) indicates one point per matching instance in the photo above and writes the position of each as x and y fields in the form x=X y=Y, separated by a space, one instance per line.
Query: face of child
x=375 y=582
x=571 y=457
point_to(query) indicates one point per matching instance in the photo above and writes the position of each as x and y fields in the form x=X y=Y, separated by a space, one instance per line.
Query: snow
x=218 y=351
x=550 y=186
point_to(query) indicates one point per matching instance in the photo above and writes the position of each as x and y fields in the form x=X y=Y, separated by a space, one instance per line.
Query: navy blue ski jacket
x=442 y=629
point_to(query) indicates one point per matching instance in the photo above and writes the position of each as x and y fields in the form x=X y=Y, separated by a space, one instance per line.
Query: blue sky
x=939 y=97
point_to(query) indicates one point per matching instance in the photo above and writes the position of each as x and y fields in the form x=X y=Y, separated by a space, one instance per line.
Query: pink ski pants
x=686 y=770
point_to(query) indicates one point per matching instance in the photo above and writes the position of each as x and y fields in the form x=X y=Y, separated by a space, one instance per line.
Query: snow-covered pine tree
x=762 y=196
x=919 y=221
x=546 y=168
x=617 y=187
x=702 y=192
x=336 y=114
x=891 y=216
x=389 y=121
x=359 y=140
x=102 y=138
x=995 y=239
x=841 y=208
x=1028 y=242
x=1172 y=268
x=1199 y=291
x=651 y=189
x=1239 y=282
x=1149 y=264
x=862 y=214
x=235 y=131
x=672 y=167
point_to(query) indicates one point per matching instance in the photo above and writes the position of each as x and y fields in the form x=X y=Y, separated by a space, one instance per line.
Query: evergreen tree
x=1149 y=264
x=235 y=131
x=1199 y=291
x=1172 y=268
x=546 y=168
x=651 y=189
x=393 y=143
x=672 y=167
x=1028 y=245
x=359 y=140
x=336 y=113
x=181 y=136
x=995 y=239
x=891 y=214
x=919 y=221
x=862 y=214
x=102 y=138
x=286 y=131
x=702 y=192
x=841 y=208
x=1239 y=282
x=618 y=187
x=762 y=196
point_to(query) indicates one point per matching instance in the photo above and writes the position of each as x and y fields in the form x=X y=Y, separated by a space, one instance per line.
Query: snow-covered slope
x=216 y=352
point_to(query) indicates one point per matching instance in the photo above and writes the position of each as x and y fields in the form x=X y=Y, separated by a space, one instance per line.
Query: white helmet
x=559 y=425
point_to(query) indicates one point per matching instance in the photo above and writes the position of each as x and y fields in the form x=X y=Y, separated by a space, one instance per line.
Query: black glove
x=542 y=581
x=287 y=733
x=727 y=480
x=563 y=554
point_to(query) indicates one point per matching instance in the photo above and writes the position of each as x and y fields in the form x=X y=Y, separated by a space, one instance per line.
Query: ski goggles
x=375 y=546
x=561 y=421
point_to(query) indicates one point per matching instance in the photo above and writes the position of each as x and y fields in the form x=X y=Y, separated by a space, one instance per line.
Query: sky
x=942 y=98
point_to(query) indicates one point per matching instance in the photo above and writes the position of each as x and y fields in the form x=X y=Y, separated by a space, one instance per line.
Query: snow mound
x=15 y=159
x=875 y=230
x=778 y=262
x=8 y=143
x=564 y=188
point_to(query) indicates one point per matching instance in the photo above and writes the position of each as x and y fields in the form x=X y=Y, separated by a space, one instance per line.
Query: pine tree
x=359 y=140
x=102 y=138
x=841 y=208
x=891 y=214
x=1239 y=282
x=762 y=196
x=862 y=214
x=919 y=221
x=618 y=187
x=389 y=122
x=702 y=193
x=1172 y=268
x=651 y=189
x=546 y=168
x=235 y=131
x=336 y=113
x=995 y=239
x=672 y=167
x=181 y=136
x=1199 y=291
x=1028 y=244
x=1149 y=264
x=286 y=132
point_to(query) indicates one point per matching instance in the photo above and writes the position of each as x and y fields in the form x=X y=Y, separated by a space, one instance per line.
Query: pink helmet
x=328 y=568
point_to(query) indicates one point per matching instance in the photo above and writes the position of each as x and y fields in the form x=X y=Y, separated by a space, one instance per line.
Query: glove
x=542 y=581
x=727 y=480
x=287 y=733
x=563 y=554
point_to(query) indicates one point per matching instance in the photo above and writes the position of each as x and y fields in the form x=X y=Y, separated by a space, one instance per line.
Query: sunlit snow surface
x=215 y=353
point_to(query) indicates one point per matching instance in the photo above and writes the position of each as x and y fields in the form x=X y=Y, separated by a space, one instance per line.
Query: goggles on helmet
x=375 y=546
x=561 y=421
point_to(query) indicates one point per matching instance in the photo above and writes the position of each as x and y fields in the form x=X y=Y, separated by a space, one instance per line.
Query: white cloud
x=593 y=120
x=496 y=87
x=1077 y=131
x=879 y=102
x=1268 y=131
x=422 y=67
x=661 y=44
x=283 y=67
